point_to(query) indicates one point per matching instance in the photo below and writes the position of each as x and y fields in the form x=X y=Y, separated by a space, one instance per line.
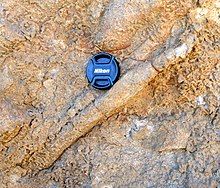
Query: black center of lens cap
x=102 y=70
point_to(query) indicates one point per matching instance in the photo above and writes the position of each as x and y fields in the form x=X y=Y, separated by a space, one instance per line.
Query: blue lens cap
x=102 y=70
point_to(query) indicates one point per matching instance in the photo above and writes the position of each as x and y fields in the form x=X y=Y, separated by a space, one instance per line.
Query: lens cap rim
x=114 y=66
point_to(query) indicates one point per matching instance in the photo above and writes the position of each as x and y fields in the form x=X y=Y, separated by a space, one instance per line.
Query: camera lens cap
x=102 y=70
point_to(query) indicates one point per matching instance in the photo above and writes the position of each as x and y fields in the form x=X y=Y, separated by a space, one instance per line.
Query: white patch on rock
x=48 y=83
x=140 y=123
x=201 y=13
x=58 y=44
x=14 y=178
x=170 y=54
x=139 y=126
x=217 y=4
x=150 y=128
x=5 y=80
x=54 y=72
x=181 y=51
x=200 y=101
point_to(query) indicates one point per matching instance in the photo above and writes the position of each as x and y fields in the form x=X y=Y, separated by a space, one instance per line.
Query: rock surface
x=159 y=126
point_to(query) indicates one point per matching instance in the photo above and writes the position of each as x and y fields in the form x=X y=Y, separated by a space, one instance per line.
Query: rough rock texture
x=159 y=126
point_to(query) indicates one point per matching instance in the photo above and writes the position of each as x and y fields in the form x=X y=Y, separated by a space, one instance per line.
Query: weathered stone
x=128 y=86
x=5 y=80
x=157 y=127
